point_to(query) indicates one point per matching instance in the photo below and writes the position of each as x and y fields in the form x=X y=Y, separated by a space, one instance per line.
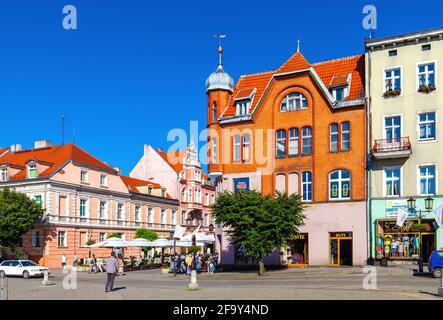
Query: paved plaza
x=301 y=283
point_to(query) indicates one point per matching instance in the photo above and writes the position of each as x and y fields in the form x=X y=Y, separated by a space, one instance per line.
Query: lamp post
x=429 y=204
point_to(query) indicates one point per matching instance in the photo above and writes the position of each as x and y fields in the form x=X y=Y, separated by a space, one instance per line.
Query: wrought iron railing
x=392 y=145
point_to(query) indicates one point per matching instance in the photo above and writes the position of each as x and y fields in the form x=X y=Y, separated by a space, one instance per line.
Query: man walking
x=63 y=262
x=111 y=269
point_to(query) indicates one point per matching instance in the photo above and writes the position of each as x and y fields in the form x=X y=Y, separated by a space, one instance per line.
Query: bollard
x=46 y=281
x=193 y=285
x=4 y=288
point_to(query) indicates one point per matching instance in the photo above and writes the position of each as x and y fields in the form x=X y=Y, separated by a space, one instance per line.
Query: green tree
x=114 y=235
x=260 y=223
x=18 y=214
x=146 y=234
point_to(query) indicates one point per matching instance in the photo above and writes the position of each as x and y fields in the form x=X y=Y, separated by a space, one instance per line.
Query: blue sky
x=135 y=69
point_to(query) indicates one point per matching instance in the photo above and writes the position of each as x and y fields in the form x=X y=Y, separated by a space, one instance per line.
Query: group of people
x=186 y=263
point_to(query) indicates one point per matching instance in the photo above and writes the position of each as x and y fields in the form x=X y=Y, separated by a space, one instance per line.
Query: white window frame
x=105 y=209
x=242 y=107
x=294 y=140
x=391 y=116
x=340 y=181
x=214 y=150
x=426 y=122
x=103 y=183
x=163 y=217
x=32 y=166
x=138 y=213
x=86 y=175
x=331 y=134
x=400 y=67
x=150 y=215
x=65 y=239
x=307 y=183
x=305 y=137
x=246 y=144
x=297 y=97
x=435 y=179
x=34 y=238
x=86 y=207
x=100 y=234
x=345 y=92
x=342 y=132
x=417 y=78
x=385 y=181
x=4 y=174
x=281 y=139
x=236 y=148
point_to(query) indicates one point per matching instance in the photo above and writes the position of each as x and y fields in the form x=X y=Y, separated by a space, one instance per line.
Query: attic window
x=426 y=47
x=32 y=171
x=4 y=174
x=164 y=193
x=392 y=53
x=149 y=190
x=242 y=107
x=294 y=101
x=84 y=176
x=340 y=93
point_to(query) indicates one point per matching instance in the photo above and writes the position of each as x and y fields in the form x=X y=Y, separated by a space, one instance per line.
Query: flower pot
x=165 y=271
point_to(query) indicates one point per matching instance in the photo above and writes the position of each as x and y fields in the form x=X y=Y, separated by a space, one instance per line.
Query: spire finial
x=298 y=44
x=220 y=36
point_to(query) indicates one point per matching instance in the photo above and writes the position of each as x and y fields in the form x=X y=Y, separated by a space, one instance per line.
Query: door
x=345 y=252
x=428 y=245
x=333 y=260
x=393 y=130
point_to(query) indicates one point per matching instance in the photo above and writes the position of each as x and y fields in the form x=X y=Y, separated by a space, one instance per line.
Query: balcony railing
x=392 y=148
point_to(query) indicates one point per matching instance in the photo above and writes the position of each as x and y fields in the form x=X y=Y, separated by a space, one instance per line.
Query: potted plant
x=426 y=88
x=90 y=242
x=392 y=93
x=164 y=268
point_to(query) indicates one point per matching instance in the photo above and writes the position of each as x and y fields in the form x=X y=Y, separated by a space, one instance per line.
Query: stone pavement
x=393 y=283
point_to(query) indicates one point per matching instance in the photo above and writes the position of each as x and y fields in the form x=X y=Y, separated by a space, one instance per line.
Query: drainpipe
x=369 y=162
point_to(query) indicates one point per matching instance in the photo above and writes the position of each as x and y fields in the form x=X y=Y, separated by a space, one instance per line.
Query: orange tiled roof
x=339 y=80
x=133 y=184
x=54 y=157
x=3 y=150
x=327 y=71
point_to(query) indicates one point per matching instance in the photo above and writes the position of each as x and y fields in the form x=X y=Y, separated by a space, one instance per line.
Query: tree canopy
x=260 y=223
x=146 y=234
x=18 y=214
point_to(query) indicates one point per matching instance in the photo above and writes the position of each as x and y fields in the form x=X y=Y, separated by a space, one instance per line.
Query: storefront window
x=297 y=250
x=241 y=257
x=403 y=243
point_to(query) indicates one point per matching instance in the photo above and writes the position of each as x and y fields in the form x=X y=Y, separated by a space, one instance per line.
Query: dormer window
x=339 y=93
x=242 y=107
x=32 y=171
x=84 y=176
x=4 y=174
x=294 y=101
x=150 y=190
x=164 y=193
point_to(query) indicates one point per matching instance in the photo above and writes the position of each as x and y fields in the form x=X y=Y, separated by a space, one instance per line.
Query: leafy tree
x=146 y=234
x=114 y=235
x=260 y=223
x=18 y=214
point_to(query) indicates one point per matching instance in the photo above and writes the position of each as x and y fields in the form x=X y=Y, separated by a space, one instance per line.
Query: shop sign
x=241 y=184
x=408 y=226
x=298 y=237
x=341 y=235
x=392 y=207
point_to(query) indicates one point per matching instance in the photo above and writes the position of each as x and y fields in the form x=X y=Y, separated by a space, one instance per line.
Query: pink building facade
x=84 y=199
x=182 y=176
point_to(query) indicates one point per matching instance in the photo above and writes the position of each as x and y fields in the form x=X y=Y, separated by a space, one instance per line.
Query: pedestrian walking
x=93 y=268
x=120 y=265
x=189 y=261
x=111 y=269
x=63 y=262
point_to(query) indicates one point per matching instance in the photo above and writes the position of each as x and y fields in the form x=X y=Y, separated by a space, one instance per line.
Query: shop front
x=297 y=250
x=403 y=243
x=340 y=249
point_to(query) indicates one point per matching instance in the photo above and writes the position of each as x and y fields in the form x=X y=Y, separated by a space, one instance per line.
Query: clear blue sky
x=135 y=69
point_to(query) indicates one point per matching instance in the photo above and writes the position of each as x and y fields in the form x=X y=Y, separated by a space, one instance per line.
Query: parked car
x=24 y=268
x=436 y=263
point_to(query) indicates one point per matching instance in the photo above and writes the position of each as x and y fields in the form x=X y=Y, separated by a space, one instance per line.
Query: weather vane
x=220 y=36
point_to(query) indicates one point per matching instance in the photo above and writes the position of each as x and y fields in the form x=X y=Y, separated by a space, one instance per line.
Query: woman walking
x=120 y=265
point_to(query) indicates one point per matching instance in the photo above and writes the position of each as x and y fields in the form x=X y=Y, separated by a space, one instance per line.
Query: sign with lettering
x=393 y=205
x=241 y=184
x=341 y=235
x=299 y=237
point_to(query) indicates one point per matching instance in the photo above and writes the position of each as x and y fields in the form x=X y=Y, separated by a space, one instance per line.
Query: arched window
x=345 y=136
x=306 y=142
x=214 y=150
x=246 y=147
x=340 y=185
x=306 y=186
x=280 y=144
x=293 y=183
x=214 y=112
x=294 y=101
x=333 y=137
x=280 y=182
x=293 y=142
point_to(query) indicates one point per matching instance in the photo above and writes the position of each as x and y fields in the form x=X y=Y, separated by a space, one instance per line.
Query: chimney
x=42 y=144
x=119 y=170
x=16 y=147
x=160 y=149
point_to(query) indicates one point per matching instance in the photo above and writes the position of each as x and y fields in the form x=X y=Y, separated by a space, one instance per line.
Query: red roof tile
x=54 y=157
x=132 y=184
x=327 y=71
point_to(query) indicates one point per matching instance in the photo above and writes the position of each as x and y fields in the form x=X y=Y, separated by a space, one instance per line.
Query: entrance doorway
x=340 y=249
x=428 y=245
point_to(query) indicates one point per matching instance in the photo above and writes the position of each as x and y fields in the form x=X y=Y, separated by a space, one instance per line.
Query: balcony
x=193 y=206
x=392 y=148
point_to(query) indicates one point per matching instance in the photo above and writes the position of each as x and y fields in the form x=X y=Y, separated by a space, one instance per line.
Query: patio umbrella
x=160 y=243
x=139 y=242
x=111 y=243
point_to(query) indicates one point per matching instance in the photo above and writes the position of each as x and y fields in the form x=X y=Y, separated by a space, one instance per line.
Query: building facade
x=84 y=199
x=404 y=110
x=182 y=175
x=298 y=129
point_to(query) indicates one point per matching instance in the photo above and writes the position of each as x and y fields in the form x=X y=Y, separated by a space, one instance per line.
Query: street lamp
x=429 y=204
